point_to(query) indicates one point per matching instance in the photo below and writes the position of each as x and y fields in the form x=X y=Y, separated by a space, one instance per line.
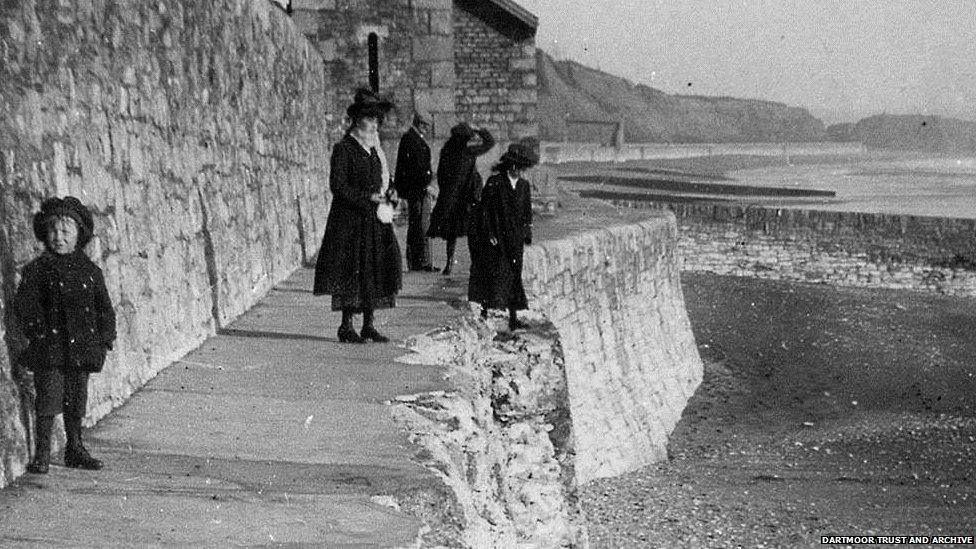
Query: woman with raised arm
x=458 y=184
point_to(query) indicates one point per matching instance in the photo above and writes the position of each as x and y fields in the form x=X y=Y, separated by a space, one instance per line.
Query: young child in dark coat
x=64 y=310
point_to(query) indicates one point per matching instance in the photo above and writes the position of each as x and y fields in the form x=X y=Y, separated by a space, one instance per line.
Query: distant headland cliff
x=574 y=99
x=909 y=132
x=572 y=92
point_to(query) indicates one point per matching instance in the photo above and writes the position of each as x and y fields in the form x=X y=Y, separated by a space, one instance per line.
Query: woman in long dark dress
x=359 y=261
x=458 y=185
x=501 y=227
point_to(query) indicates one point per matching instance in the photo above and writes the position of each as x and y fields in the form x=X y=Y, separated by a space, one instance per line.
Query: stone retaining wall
x=199 y=134
x=844 y=248
x=615 y=298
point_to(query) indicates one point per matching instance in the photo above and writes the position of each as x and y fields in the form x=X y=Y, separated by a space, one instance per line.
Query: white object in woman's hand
x=378 y=198
x=384 y=212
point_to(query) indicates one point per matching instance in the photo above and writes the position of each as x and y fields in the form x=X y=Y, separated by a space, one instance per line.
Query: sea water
x=929 y=186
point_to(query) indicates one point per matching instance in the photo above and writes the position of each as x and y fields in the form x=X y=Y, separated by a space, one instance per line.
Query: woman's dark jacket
x=359 y=261
x=458 y=185
x=505 y=215
x=63 y=308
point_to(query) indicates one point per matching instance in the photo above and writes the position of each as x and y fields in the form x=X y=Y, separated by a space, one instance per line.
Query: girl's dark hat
x=68 y=206
x=367 y=104
x=519 y=155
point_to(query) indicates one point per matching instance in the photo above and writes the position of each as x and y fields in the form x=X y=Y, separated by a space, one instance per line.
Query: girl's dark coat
x=505 y=215
x=64 y=310
x=458 y=185
x=359 y=261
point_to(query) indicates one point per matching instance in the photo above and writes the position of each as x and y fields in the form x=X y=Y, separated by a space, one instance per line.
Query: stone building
x=461 y=60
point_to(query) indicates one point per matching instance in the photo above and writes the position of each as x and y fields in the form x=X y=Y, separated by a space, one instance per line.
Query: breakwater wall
x=557 y=153
x=199 y=135
x=844 y=248
x=592 y=389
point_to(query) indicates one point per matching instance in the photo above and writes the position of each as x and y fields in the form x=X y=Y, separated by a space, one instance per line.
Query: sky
x=842 y=59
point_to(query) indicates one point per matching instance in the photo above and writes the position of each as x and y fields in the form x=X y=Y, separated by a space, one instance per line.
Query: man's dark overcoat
x=413 y=173
x=458 y=185
x=505 y=215
x=359 y=260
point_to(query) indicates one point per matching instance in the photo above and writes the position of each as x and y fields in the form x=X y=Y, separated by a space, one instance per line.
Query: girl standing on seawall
x=359 y=261
x=501 y=227
x=458 y=185
x=63 y=308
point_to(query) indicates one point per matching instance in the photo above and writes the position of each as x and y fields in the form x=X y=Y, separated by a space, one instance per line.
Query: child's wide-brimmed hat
x=68 y=206
x=366 y=104
x=520 y=155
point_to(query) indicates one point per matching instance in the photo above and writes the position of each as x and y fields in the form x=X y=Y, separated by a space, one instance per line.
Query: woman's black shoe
x=38 y=467
x=517 y=325
x=369 y=332
x=348 y=335
x=79 y=458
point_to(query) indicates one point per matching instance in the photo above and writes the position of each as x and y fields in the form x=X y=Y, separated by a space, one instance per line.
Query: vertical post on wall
x=373 y=42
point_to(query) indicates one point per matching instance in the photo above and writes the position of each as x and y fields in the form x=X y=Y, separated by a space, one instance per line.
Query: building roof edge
x=520 y=13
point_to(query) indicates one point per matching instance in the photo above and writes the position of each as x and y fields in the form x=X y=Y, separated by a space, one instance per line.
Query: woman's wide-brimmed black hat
x=519 y=155
x=68 y=206
x=367 y=104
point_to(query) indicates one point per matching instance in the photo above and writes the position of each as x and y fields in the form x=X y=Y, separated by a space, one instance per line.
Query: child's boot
x=75 y=455
x=42 y=446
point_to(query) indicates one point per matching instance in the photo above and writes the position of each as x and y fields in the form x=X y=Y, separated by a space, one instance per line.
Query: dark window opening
x=374 y=62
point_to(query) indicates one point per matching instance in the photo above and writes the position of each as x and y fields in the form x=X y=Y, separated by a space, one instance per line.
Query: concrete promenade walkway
x=270 y=433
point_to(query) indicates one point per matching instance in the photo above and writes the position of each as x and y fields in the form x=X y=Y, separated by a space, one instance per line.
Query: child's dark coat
x=64 y=309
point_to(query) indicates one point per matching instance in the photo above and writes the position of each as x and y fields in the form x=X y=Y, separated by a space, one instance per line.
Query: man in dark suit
x=413 y=175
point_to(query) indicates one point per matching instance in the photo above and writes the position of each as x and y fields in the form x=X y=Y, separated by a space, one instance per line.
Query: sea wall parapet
x=843 y=248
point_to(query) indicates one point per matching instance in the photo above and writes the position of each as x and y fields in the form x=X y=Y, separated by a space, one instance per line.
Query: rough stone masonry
x=199 y=134
x=839 y=248
x=615 y=298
